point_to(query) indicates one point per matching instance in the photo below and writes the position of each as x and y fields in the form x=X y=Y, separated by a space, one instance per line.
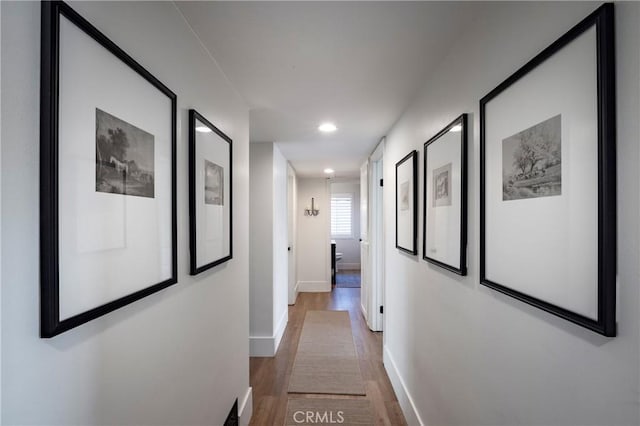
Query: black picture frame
x=461 y=123
x=410 y=160
x=195 y=117
x=602 y=20
x=50 y=322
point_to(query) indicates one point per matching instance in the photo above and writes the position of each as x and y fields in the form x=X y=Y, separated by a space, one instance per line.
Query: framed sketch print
x=209 y=194
x=548 y=179
x=407 y=203
x=107 y=175
x=444 y=241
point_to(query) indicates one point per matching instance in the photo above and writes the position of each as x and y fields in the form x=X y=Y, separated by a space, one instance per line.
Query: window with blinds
x=341 y=215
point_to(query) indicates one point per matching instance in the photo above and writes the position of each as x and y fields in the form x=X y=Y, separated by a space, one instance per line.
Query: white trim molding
x=245 y=410
x=261 y=345
x=404 y=397
x=314 y=286
x=279 y=332
x=268 y=345
x=295 y=294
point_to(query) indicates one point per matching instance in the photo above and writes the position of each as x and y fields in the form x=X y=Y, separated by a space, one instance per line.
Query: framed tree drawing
x=107 y=175
x=407 y=203
x=444 y=241
x=548 y=179
x=210 y=194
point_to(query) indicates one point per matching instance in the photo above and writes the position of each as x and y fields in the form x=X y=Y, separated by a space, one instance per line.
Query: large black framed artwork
x=548 y=179
x=210 y=196
x=444 y=241
x=407 y=203
x=107 y=175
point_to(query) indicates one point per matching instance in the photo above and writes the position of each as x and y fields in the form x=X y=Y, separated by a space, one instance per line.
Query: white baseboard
x=347 y=266
x=282 y=326
x=292 y=299
x=245 y=410
x=261 y=345
x=314 y=286
x=268 y=345
x=404 y=397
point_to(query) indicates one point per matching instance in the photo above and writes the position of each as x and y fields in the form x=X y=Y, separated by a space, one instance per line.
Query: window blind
x=341 y=215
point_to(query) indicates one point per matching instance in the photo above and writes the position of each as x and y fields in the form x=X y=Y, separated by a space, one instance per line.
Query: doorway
x=345 y=233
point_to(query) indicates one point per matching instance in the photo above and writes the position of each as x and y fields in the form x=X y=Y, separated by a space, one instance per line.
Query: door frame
x=292 y=268
x=375 y=318
x=365 y=258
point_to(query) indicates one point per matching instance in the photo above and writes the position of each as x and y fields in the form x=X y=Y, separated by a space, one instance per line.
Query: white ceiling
x=357 y=64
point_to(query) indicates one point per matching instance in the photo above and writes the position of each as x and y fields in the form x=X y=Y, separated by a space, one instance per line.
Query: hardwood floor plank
x=269 y=377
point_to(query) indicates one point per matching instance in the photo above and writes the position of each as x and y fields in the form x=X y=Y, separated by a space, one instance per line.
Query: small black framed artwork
x=210 y=196
x=407 y=203
x=444 y=241
x=548 y=179
x=107 y=175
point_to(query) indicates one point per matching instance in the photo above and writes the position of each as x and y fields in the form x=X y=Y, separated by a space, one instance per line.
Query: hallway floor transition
x=269 y=377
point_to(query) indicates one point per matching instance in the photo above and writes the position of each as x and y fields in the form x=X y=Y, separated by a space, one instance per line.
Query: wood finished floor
x=269 y=377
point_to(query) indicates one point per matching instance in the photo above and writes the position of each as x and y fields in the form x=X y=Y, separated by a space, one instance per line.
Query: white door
x=365 y=260
x=291 y=233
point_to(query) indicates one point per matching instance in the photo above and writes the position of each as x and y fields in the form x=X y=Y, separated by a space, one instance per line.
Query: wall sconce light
x=312 y=211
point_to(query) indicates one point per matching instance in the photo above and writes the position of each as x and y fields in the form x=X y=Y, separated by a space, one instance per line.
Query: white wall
x=179 y=356
x=268 y=248
x=459 y=353
x=349 y=247
x=261 y=240
x=314 y=250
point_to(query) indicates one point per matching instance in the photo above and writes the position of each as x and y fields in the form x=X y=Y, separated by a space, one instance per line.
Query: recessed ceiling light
x=328 y=171
x=203 y=129
x=456 y=128
x=327 y=127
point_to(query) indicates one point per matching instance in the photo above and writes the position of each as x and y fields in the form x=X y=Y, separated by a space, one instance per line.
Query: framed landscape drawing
x=107 y=175
x=407 y=203
x=548 y=179
x=444 y=241
x=210 y=198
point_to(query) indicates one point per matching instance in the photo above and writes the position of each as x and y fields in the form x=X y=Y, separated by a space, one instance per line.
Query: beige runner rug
x=326 y=360
x=323 y=411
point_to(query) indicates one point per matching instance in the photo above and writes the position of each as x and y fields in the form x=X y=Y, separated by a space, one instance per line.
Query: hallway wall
x=260 y=240
x=313 y=237
x=179 y=356
x=268 y=257
x=460 y=353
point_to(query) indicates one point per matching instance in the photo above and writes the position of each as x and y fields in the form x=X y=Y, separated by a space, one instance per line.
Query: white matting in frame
x=445 y=194
x=210 y=194
x=548 y=179
x=406 y=199
x=115 y=169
